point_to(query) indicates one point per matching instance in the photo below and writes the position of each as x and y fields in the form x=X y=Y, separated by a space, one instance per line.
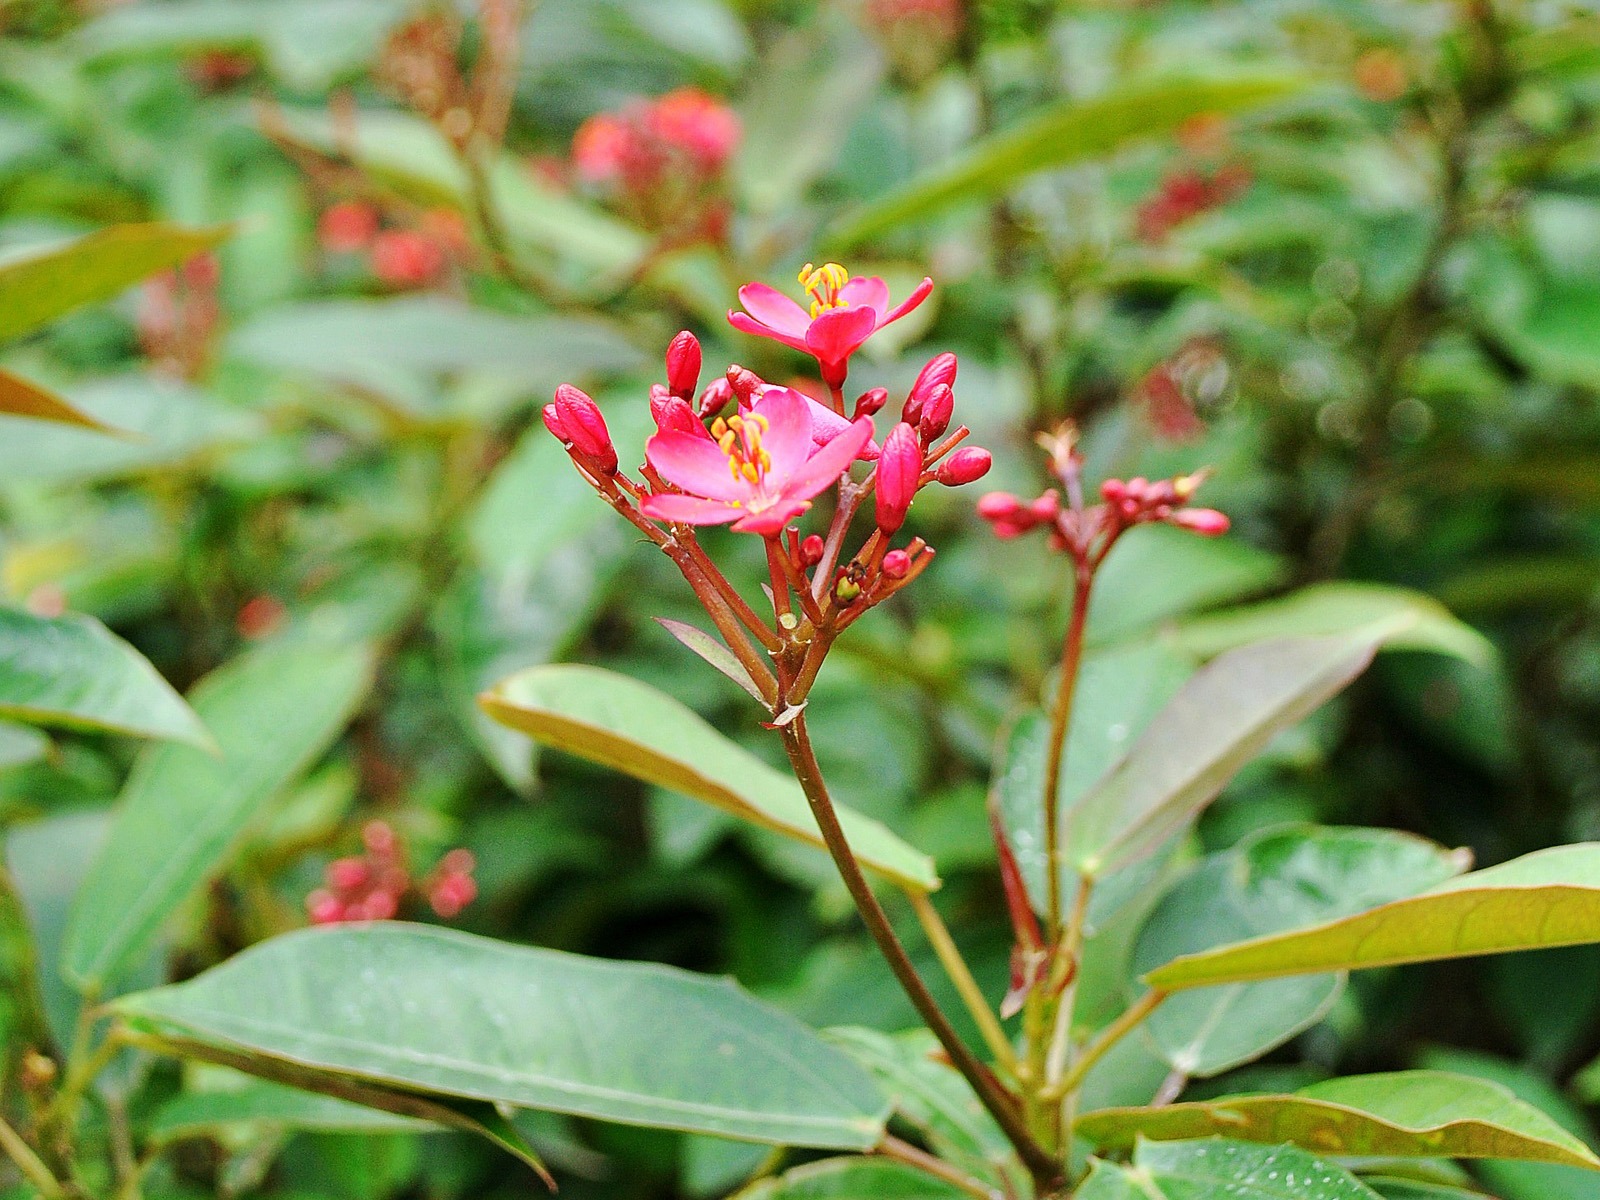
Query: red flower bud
x=746 y=384
x=896 y=564
x=899 y=472
x=683 y=364
x=941 y=369
x=673 y=413
x=586 y=428
x=1207 y=522
x=348 y=874
x=937 y=409
x=966 y=465
x=324 y=908
x=999 y=506
x=811 y=551
x=716 y=396
x=552 y=422
x=870 y=402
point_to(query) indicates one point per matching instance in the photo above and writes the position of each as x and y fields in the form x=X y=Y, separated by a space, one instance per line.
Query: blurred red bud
x=1207 y=522
x=870 y=402
x=937 y=408
x=811 y=551
x=896 y=564
x=673 y=412
x=716 y=396
x=940 y=369
x=745 y=384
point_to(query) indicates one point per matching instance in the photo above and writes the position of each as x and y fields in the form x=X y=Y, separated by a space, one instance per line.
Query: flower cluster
x=401 y=257
x=1185 y=194
x=661 y=160
x=1087 y=532
x=371 y=886
x=755 y=456
x=179 y=316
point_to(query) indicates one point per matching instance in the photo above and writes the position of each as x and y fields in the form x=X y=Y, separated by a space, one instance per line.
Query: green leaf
x=21 y=398
x=1278 y=879
x=852 y=1179
x=1059 y=134
x=1555 y=336
x=932 y=1097
x=713 y=652
x=1549 y=898
x=1158 y=573
x=386 y=345
x=167 y=423
x=1418 y=1113
x=1221 y=1170
x=1220 y=720
x=75 y=673
x=444 y=1013
x=631 y=727
x=1119 y=691
x=20 y=745
x=1417 y=622
x=257 y=1102
x=38 y=286
x=273 y=713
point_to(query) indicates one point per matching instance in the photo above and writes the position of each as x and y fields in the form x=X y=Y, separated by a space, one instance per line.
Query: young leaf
x=448 y=1014
x=1212 y=1168
x=273 y=712
x=1068 y=131
x=1548 y=898
x=631 y=727
x=713 y=651
x=75 y=673
x=1275 y=880
x=20 y=397
x=41 y=285
x=1404 y=1113
x=853 y=1179
x=1339 y=607
x=1221 y=719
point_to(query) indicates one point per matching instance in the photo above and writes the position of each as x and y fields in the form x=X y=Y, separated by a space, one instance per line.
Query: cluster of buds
x=179 y=314
x=754 y=455
x=918 y=35
x=1186 y=193
x=399 y=257
x=1087 y=532
x=372 y=885
x=662 y=161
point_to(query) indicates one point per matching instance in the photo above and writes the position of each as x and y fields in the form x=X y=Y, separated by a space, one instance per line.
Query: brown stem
x=1000 y=1103
x=912 y=1156
x=1060 y=718
x=730 y=594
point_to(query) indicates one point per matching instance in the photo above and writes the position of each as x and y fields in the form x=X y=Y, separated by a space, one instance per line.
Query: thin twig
x=29 y=1163
x=912 y=1156
x=1109 y=1037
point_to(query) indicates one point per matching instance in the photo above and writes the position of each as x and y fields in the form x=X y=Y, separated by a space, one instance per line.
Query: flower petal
x=787 y=438
x=745 y=323
x=827 y=425
x=697 y=465
x=689 y=510
x=771 y=520
x=910 y=302
x=838 y=333
x=774 y=310
x=826 y=465
x=866 y=291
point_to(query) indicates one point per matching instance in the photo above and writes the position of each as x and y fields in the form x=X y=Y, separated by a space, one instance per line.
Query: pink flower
x=844 y=313
x=693 y=121
x=759 y=469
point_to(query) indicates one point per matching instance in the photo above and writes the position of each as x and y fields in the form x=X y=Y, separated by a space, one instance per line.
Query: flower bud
x=683 y=364
x=999 y=506
x=746 y=385
x=716 y=396
x=899 y=472
x=1207 y=522
x=673 y=412
x=552 y=422
x=586 y=428
x=896 y=564
x=871 y=402
x=937 y=410
x=811 y=551
x=941 y=369
x=966 y=465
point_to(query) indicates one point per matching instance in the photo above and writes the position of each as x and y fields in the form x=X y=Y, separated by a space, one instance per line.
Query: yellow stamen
x=822 y=284
x=739 y=437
